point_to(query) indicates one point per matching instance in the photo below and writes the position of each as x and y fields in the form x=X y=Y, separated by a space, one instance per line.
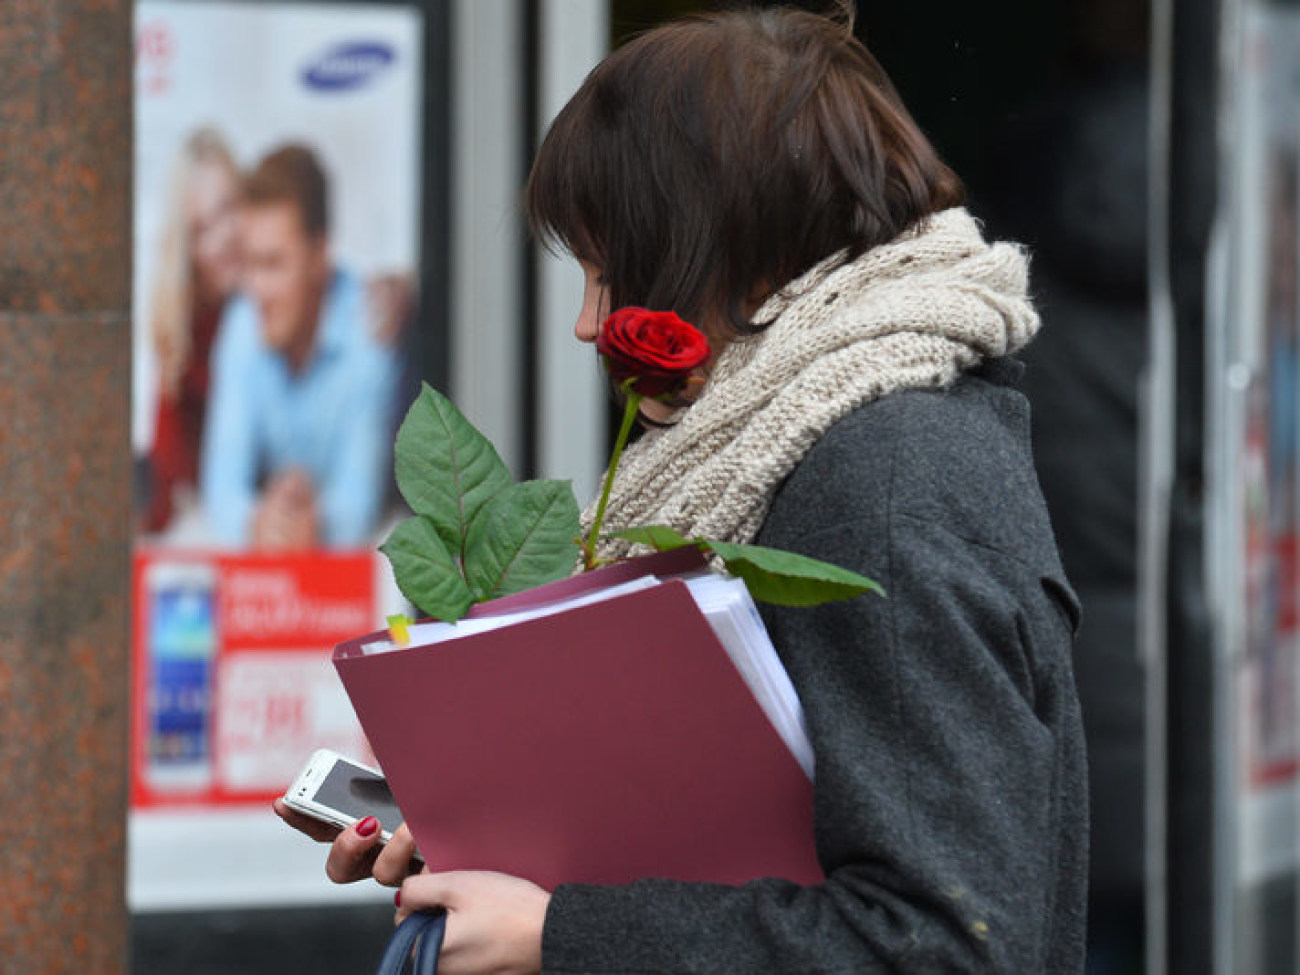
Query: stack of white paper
x=730 y=610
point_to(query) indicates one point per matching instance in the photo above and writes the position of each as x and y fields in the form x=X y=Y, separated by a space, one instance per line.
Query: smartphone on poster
x=340 y=791
x=181 y=643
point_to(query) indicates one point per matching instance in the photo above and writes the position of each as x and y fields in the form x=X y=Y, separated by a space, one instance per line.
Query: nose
x=586 y=328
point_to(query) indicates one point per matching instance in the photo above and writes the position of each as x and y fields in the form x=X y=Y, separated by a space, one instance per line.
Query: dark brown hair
x=292 y=174
x=725 y=154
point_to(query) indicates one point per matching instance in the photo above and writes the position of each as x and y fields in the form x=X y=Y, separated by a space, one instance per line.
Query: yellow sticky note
x=397 y=629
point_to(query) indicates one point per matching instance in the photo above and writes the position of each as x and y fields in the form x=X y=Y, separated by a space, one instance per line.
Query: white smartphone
x=340 y=791
x=181 y=642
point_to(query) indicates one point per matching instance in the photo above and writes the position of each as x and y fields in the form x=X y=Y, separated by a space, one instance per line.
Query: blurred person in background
x=198 y=270
x=296 y=450
x=1075 y=171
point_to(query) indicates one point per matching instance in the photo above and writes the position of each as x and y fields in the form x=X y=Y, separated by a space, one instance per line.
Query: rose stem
x=630 y=411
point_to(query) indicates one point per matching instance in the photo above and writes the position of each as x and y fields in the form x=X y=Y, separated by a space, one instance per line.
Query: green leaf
x=789 y=579
x=659 y=537
x=446 y=470
x=770 y=574
x=523 y=537
x=425 y=571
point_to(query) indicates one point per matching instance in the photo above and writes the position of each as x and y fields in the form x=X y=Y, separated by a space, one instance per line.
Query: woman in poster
x=198 y=271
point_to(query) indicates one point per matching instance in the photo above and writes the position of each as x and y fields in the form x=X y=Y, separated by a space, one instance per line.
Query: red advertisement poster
x=233 y=685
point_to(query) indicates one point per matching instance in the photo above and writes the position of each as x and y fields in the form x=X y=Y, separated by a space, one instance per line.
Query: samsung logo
x=348 y=66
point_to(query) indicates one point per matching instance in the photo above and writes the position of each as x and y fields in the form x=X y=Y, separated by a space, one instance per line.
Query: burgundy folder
x=602 y=744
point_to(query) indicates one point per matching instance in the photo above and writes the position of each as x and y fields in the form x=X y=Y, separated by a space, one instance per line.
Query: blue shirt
x=332 y=419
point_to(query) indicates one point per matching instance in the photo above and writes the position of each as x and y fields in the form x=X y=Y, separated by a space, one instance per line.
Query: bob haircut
x=713 y=160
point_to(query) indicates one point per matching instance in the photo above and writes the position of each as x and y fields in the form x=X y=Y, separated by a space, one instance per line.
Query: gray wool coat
x=950 y=793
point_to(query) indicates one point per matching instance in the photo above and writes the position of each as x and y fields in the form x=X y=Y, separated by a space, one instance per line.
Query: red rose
x=655 y=348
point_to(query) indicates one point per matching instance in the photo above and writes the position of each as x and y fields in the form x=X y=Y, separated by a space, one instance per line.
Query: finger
x=400 y=912
x=430 y=891
x=410 y=899
x=397 y=861
x=320 y=832
x=353 y=852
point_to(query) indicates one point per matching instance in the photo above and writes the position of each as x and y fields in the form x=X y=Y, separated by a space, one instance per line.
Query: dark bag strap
x=422 y=931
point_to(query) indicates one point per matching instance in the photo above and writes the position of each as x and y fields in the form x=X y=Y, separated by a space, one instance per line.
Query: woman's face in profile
x=214 y=238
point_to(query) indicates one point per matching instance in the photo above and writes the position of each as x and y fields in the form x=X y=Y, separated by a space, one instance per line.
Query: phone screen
x=182 y=644
x=359 y=793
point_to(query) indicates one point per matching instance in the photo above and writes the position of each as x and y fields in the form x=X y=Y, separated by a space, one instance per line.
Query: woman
x=198 y=271
x=755 y=172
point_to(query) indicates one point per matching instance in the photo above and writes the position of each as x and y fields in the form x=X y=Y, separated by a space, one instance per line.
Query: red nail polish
x=397 y=899
x=367 y=826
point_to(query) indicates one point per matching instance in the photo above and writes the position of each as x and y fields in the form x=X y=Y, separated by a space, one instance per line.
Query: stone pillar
x=65 y=281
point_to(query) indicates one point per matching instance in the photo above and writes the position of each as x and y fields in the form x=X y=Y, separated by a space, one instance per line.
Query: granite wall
x=65 y=246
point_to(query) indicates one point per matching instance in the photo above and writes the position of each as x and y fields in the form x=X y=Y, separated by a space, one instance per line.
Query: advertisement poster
x=277 y=176
x=227 y=667
x=1266 y=319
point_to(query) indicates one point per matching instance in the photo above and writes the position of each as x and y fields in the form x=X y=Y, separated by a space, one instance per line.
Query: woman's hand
x=355 y=853
x=494 y=921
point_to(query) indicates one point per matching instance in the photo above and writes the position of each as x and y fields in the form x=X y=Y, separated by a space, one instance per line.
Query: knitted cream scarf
x=913 y=313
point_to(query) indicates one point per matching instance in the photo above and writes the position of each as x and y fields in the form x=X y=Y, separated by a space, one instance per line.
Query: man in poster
x=296 y=451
